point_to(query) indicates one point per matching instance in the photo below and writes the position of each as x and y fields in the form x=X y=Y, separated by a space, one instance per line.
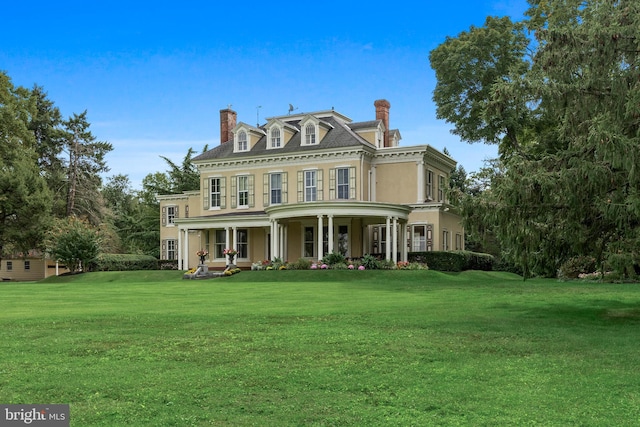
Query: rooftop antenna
x=258 y=115
x=292 y=108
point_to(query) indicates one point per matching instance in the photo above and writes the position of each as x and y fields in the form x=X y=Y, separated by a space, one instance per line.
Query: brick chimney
x=382 y=113
x=228 y=119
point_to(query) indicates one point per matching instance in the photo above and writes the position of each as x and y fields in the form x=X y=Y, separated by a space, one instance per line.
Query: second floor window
x=429 y=185
x=243 y=191
x=310 y=134
x=441 y=188
x=343 y=183
x=276 y=189
x=310 y=186
x=215 y=192
x=171 y=215
x=242 y=141
x=275 y=138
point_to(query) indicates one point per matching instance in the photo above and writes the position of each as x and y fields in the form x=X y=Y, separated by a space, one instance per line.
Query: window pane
x=220 y=243
x=276 y=188
x=310 y=186
x=309 y=243
x=243 y=192
x=343 y=183
x=243 y=243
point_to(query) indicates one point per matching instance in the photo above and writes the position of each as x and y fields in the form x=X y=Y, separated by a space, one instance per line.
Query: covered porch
x=291 y=232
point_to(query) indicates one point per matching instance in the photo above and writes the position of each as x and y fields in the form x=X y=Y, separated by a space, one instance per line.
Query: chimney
x=227 y=123
x=382 y=113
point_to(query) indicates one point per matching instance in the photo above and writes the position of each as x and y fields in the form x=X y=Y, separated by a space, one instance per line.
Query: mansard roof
x=339 y=135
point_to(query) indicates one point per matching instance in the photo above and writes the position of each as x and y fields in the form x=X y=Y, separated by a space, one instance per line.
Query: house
x=30 y=267
x=305 y=185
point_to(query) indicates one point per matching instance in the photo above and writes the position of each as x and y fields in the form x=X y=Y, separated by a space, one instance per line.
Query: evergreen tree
x=567 y=124
x=25 y=200
x=85 y=164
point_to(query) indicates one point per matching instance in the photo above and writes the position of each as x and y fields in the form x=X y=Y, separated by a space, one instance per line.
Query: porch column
x=330 y=227
x=403 y=230
x=226 y=238
x=421 y=194
x=274 y=239
x=180 y=261
x=395 y=240
x=387 y=254
x=281 y=241
x=319 y=242
x=186 y=249
x=285 y=249
x=234 y=232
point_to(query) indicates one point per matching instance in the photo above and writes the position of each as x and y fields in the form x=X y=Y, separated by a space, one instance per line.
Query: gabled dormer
x=394 y=138
x=313 y=130
x=245 y=137
x=371 y=131
x=278 y=133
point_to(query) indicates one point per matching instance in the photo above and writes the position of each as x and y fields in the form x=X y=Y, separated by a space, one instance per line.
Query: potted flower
x=230 y=253
x=202 y=253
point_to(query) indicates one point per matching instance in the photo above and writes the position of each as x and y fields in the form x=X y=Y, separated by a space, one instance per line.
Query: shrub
x=168 y=264
x=575 y=266
x=454 y=260
x=301 y=264
x=124 y=262
x=439 y=260
x=333 y=258
x=370 y=262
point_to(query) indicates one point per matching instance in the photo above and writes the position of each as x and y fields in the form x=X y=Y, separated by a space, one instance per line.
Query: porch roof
x=353 y=209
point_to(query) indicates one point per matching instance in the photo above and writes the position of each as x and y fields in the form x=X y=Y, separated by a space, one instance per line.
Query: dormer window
x=310 y=134
x=242 y=144
x=275 y=138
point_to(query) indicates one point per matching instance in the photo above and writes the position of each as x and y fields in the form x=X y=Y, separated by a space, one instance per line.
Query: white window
x=309 y=242
x=220 y=243
x=445 y=240
x=310 y=186
x=343 y=183
x=242 y=243
x=275 y=137
x=243 y=191
x=215 y=193
x=441 y=188
x=275 y=182
x=242 y=141
x=171 y=215
x=172 y=252
x=310 y=134
x=419 y=238
x=429 y=185
x=9 y=265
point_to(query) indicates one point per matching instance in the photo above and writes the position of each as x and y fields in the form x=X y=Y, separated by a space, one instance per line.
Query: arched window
x=275 y=138
x=242 y=141
x=310 y=134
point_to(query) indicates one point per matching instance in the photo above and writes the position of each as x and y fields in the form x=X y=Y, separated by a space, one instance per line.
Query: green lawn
x=323 y=348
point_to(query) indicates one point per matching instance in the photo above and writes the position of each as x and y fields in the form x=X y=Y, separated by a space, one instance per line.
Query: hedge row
x=454 y=261
x=124 y=262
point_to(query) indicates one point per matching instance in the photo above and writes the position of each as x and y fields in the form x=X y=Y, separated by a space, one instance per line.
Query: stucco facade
x=303 y=186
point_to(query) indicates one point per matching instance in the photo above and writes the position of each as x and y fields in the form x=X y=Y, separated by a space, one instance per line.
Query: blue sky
x=153 y=76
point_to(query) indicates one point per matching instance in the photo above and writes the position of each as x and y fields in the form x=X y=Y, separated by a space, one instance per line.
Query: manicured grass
x=323 y=348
